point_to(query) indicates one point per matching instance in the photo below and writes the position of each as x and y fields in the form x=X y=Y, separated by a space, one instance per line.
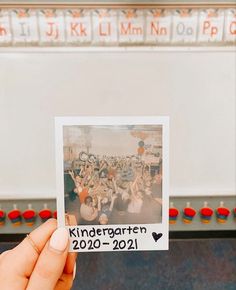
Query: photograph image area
x=112 y=174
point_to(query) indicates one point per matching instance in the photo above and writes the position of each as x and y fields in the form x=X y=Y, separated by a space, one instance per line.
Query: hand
x=71 y=173
x=39 y=262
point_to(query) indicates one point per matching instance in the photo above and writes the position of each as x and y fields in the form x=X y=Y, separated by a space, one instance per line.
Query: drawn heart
x=156 y=236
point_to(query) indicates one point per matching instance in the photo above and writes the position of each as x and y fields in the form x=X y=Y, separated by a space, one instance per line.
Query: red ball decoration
x=55 y=214
x=29 y=216
x=206 y=211
x=223 y=211
x=234 y=212
x=222 y=214
x=45 y=214
x=2 y=217
x=206 y=214
x=173 y=214
x=188 y=214
x=2 y=214
x=15 y=217
x=189 y=211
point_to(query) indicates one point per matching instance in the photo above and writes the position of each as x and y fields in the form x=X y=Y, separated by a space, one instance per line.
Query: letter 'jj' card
x=112 y=182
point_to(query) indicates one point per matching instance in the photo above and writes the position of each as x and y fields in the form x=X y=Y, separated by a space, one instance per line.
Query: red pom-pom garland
x=15 y=216
x=29 y=216
x=222 y=213
x=55 y=214
x=173 y=213
x=234 y=212
x=2 y=217
x=206 y=211
x=45 y=214
x=206 y=214
x=188 y=214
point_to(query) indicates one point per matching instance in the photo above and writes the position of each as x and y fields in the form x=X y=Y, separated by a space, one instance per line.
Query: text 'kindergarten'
x=82 y=232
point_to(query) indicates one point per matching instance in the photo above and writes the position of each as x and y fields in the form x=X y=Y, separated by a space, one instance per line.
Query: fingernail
x=59 y=240
x=74 y=272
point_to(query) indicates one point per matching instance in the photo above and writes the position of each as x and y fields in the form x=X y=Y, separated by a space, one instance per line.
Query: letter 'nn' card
x=113 y=182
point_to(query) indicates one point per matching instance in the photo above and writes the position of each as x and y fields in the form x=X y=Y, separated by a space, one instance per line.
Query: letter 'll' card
x=113 y=182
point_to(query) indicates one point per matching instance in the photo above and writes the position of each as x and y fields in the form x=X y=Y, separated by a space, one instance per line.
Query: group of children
x=115 y=190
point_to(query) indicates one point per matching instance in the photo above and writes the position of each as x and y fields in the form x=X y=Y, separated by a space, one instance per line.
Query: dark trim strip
x=203 y=234
x=8 y=238
x=11 y=238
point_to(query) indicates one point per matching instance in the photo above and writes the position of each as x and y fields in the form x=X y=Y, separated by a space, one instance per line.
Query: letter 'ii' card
x=113 y=182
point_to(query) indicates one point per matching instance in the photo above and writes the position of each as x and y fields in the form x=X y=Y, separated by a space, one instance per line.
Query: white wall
x=196 y=89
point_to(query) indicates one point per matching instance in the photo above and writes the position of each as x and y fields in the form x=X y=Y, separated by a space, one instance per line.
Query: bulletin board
x=194 y=85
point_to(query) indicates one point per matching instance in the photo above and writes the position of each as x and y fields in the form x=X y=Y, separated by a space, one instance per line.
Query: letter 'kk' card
x=113 y=182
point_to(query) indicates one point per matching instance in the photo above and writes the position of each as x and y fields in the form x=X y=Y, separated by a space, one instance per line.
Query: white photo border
x=162 y=227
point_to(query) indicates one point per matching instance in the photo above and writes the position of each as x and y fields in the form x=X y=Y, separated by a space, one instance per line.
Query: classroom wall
x=196 y=89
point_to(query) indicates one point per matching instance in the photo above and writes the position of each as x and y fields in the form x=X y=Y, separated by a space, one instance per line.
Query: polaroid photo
x=113 y=182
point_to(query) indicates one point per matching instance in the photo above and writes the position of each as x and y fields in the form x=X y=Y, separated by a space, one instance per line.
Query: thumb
x=51 y=262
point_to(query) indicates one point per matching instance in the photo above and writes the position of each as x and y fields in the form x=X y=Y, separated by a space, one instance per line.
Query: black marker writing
x=80 y=232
